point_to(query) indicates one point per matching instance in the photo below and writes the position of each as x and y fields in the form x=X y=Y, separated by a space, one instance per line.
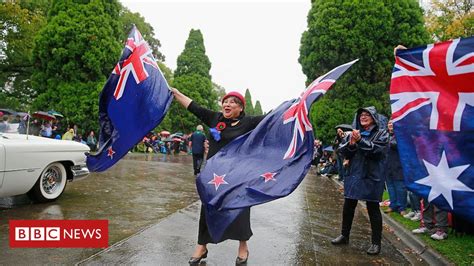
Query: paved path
x=293 y=230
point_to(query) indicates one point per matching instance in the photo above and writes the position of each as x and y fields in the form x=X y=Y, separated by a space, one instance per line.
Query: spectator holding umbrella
x=46 y=130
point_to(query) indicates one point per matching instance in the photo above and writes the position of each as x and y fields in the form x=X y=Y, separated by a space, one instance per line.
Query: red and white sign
x=59 y=233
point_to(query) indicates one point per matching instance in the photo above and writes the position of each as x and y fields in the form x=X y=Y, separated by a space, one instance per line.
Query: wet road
x=137 y=192
x=149 y=204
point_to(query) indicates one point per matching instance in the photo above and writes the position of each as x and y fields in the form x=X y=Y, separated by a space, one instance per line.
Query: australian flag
x=432 y=100
x=265 y=164
x=134 y=101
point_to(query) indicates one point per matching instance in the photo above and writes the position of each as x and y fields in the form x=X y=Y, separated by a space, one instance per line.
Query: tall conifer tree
x=193 y=79
x=341 y=31
x=248 y=103
x=75 y=53
x=258 y=108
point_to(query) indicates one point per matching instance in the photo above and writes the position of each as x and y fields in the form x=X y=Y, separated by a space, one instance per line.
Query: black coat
x=394 y=166
x=366 y=177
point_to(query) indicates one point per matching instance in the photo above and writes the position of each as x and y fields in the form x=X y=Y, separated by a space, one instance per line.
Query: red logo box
x=59 y=233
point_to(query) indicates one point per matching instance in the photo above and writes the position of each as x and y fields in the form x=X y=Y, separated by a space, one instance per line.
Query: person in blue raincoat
x=366 y=148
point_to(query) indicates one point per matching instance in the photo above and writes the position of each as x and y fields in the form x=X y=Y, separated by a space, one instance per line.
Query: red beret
x=236 y=95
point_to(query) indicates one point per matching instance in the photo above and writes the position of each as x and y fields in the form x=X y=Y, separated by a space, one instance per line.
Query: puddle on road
x=135 y=193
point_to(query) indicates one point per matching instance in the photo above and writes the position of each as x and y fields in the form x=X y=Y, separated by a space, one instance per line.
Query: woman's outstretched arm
x=181 y=98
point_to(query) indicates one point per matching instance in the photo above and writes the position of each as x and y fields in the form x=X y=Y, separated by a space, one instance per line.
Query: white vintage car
x=39 y=166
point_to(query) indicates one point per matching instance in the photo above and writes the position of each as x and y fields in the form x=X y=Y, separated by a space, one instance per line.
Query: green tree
x=128 y=19
x=73 y=55
x=76 y=51
x=248 y=103
x=18 y=27
x=450 y=19
x=193 y=79
x=340 y=31
x=258 y=108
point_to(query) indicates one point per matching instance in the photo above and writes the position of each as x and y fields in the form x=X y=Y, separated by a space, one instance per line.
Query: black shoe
x=197 y=260
x=340 y=240
x=240 y=261
x=373 y=249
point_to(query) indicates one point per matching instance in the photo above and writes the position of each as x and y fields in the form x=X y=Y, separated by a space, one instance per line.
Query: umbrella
x=329 y=149
x=22 y=114
x=43 y=115
x=7 y=111
x=344 y=127
x=56 y=114
x=164 y=133
x=178 y=134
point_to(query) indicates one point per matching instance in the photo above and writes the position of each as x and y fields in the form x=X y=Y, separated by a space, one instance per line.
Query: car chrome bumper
x=79 y=172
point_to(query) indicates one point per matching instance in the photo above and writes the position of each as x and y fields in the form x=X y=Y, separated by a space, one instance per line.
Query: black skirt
x=238 y=230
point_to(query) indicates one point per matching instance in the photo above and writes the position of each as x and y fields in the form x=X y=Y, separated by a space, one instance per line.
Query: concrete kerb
x=419 y=247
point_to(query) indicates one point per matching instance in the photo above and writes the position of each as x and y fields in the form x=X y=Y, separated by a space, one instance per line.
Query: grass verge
x=456 y=248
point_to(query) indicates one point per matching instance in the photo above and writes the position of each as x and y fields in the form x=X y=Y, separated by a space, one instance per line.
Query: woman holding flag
x=224 y=126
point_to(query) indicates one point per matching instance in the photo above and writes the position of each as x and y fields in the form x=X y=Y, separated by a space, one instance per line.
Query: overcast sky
x=251 y=44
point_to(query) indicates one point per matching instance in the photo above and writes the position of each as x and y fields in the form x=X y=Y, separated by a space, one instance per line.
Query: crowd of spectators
x=45 y=128
x=433 y=221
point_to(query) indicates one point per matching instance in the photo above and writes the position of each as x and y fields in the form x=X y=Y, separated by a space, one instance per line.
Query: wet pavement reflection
x=150 y=202
x=137 y=192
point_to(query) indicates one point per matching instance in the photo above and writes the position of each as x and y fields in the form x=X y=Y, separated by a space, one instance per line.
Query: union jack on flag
x=298 y=112
x=437 y=74
x=129 y=108
x=140 y=54
x=432 y=100
x=265 y=164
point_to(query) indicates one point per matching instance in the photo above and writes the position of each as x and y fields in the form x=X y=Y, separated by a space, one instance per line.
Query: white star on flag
x=443 y=179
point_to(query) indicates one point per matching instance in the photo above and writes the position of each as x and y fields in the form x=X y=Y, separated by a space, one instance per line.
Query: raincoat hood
x=372 y=111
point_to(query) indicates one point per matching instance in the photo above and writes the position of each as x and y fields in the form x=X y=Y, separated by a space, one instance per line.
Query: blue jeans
x=398 y=194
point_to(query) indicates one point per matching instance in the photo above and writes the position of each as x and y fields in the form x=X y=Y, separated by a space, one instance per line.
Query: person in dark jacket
x=225 y=126
x=395 y=185
x=198 y=140
x=366 y=148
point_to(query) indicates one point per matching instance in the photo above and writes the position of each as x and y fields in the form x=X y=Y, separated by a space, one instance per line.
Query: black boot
x=340 y=240
x=374 y=249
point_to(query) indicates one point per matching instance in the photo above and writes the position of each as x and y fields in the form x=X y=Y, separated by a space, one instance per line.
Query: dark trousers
x=375 y=218
x=197 y=162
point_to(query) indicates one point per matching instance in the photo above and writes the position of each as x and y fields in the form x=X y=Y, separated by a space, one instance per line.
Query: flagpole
x=28 y=125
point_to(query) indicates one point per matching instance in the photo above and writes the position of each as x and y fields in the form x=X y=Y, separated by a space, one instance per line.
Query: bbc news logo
x=59 y=233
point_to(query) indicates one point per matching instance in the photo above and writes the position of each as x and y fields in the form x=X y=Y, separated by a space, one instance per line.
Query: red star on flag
x=218 y=180
x=110 y=152
x=269 y=176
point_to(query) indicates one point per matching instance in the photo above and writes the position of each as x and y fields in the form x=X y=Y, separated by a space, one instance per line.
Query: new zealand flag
x=432 y=98
x=265 y=164
x=134 y=100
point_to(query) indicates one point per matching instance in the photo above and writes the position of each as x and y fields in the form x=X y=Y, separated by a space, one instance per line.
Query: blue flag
x=134 y=101
x=265 y=164
x=432 y=100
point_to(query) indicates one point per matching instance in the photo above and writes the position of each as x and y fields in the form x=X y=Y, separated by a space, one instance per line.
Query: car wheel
x=50 y=185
